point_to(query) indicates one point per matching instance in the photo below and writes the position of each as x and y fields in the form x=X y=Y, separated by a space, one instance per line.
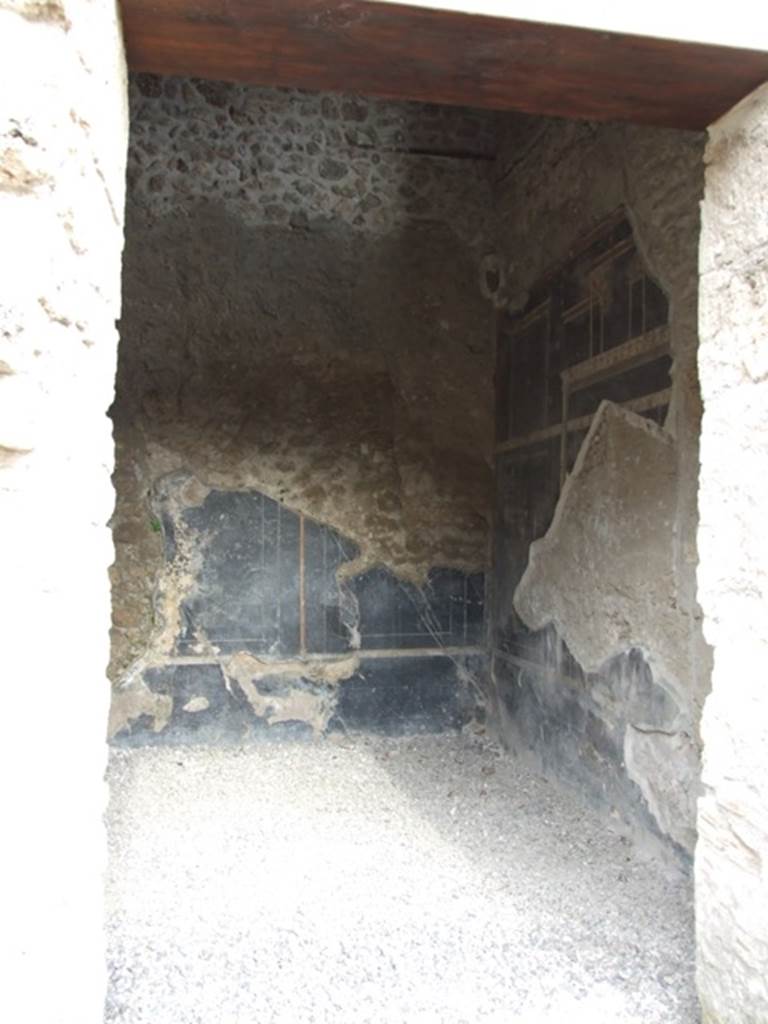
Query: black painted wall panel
x=247 y=589
x=266 y=581
x=393 y=696
x=404 y=695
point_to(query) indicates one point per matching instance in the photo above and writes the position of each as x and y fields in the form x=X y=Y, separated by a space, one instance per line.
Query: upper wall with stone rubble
x=600 y=662
x=287 y=157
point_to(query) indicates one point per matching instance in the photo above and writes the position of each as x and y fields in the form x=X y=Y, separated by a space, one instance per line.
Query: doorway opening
x=371 y=351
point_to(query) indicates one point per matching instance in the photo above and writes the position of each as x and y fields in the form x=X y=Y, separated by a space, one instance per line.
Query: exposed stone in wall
x=287 y=156
x=732 y=852
x=657 y=177
x=63 y=140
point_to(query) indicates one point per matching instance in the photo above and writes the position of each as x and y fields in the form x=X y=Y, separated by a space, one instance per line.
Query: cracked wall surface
x=611 y=538
x=302 y=319
x=732 y=852
x=261 y=622
x=561 y=655
x=611 y=535
x=63 y=142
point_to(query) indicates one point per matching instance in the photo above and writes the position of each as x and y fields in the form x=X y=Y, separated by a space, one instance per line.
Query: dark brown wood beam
x=404 y=52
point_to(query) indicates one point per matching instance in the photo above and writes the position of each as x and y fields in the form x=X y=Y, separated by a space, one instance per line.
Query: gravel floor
x=380 y=880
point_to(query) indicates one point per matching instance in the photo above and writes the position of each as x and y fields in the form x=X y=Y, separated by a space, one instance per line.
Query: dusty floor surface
x=382 y=880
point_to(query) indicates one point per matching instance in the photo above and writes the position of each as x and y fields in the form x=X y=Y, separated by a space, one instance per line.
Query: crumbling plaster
x=657 y=175
x=63 y=141
x=611 y=538
x=303 y=318
x=732 y=852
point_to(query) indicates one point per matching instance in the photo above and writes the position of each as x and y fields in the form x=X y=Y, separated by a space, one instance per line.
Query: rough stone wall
x=63 y=141
x=732 y=852
x=291 y=157
x=302 y=318
x=657 y=177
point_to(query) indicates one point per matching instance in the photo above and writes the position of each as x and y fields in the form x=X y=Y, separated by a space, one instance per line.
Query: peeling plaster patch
x=591 y=172
x=604 y=576
x=332 y=301
x=288 y=698
x=135 y=699
x=603 y=573
x=197 y=704
x=331 y=672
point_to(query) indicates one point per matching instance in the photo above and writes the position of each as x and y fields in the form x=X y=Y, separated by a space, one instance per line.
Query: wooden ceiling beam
x=404 y=52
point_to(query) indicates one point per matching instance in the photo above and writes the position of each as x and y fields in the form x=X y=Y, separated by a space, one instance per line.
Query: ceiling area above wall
x=408 y=52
